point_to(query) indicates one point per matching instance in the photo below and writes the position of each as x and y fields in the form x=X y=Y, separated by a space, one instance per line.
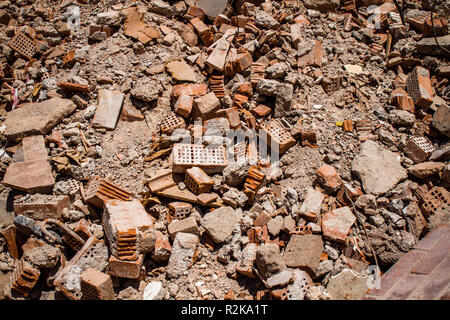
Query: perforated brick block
x=172 y=122
x=332 y=84
x=419 y=149
x=180 y=210
x=211 y=159
x=23 y=45
x=93 y=254
x=38 y=208
x=419 y=87
x=434 y=199
x=99 y=190
x=24 y=277
x=278 y=137
x=96 y=285
x=198 y=181
x=124 y=222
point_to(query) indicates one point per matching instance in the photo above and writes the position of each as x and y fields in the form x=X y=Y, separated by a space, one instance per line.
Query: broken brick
x=206 y=105
x=183 y=106
x=99 y=190
x=198 y=181
x=39 y=207
x=419 y=87
x=187 y=225
x=336 y=224
x=125 y=269
x=96 y=285
x=328 y=177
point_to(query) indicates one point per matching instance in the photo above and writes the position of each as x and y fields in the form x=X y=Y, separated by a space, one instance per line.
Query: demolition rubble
x=120 y=180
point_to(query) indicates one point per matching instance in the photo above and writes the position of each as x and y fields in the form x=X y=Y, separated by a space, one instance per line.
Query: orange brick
x=192 y=89
x=277 y=136
x=125 y=269
x=313 y=58
x=206 y=105
x=402 y=100
x=347 y=125
x=233 y=117
x=419 y=87
x=198 y=181
x=261 y=111
x=96 y=285
x=24 y=277
x=163 y=248
x=239 y=100
x=203 y=31
x=99 y=190
x=440 y=27
x=9 y=233
x=328 y=177
x=183 y=106
x=245 y=89
x=240 y=63
x=196 y=12
x=172 y=122
x=126 y=225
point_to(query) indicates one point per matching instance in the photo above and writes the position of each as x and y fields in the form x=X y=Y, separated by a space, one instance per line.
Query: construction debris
x=243 y=149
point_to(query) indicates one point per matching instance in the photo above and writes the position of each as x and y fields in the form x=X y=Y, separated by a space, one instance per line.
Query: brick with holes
x=210 y=159
x=434 y=199
x=187 y=225
x=419 y=149
x=184 y=105
x=206 y=105
x=172 y=122
x=198 y=181
x=99 y=190
x=180 y=210
x=419 y=87
x=336 y=224
x=328 y=177
x=96 y=285
x=127 y=227
x=24 y=277
x=23 y=44
x=277 y=136
x=331 y=84
x=93 y=254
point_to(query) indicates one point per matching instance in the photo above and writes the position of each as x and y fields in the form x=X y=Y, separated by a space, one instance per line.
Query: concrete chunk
x=219 y=223
x=108 y=109
x=40 y=117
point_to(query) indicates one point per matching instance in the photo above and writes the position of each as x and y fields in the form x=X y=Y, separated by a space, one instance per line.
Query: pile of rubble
x=120 y=179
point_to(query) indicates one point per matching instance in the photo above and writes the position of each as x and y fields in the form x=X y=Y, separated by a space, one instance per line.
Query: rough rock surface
x=378 y=168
